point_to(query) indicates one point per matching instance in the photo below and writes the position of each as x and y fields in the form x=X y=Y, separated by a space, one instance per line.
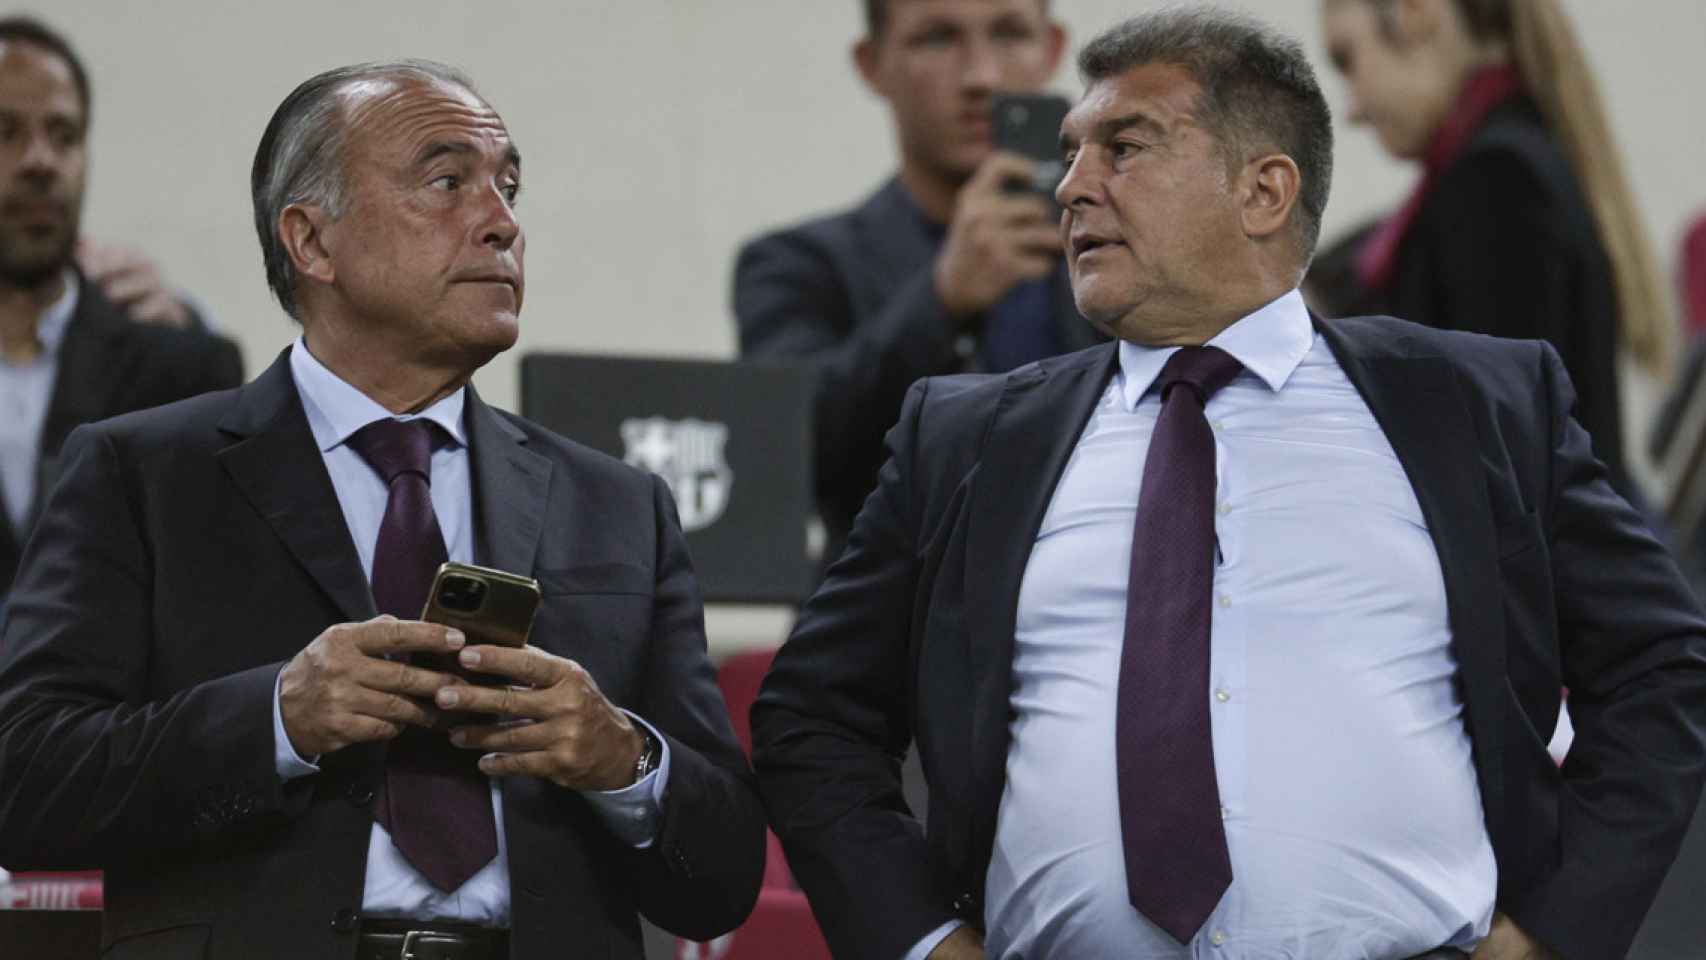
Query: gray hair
x=1259 y=90
x=301 y=155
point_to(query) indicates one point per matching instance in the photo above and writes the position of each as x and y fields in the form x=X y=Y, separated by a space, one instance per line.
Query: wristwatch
x=651 y=754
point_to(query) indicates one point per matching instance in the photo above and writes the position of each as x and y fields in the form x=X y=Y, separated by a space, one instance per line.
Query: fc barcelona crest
x=688 y=455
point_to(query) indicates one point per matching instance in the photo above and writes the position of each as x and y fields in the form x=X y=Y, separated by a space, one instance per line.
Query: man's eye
x=1125 y=148
x=1068 y=157
x=512 y=191
x=449 y=181
x=935 y=38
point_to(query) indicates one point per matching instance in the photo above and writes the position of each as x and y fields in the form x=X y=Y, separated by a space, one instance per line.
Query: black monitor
x=732 y=440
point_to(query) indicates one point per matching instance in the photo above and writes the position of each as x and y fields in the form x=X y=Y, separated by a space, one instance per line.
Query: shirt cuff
x=632 y=812
x=284 y=757
x=932 y=940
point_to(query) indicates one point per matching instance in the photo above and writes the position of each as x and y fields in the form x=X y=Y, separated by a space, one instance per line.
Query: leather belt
x=382 y=939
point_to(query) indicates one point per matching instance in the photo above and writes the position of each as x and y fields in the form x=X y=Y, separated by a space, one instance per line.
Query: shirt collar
x=50 y=328
x=337 y=410
x=1270 y=343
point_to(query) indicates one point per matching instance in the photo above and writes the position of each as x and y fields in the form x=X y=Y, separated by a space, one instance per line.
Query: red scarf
x=1486 y=89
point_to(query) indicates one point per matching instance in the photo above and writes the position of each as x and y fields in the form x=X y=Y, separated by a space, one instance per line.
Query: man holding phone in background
x=203 y=678
x=945 y=268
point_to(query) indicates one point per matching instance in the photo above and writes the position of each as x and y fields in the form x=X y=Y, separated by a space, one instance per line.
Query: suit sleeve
x=91 y=773
x=1633 y=652
x=701 y=878
x=792 y=301
x=831 y=726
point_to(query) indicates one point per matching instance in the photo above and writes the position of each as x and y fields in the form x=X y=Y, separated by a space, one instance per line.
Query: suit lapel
x=511 y=484
x=1420 y=407
x=1036 y=426
x=90 y=373
x=276 y=464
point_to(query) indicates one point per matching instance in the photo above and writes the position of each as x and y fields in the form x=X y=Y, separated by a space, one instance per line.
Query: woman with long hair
x=1522 y=224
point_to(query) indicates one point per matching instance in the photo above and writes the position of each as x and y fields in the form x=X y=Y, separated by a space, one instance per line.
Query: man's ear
x=1270 y=186
x=301 y=228
x=867 y=59
x=1056 y=45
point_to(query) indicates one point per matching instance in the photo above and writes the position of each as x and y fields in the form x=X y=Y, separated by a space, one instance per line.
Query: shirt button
x=1225 y=601
x=1218 y=938
x=1225 y=812
x=1222 y=696
x=1224 y=509
x=1218 y=425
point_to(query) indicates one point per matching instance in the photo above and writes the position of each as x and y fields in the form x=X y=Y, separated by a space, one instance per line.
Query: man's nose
x=1079 y=186
x=982 y=66
x=41 y=158
x=500 y=228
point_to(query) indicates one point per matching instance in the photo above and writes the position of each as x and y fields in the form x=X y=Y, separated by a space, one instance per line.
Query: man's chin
x=34 y=265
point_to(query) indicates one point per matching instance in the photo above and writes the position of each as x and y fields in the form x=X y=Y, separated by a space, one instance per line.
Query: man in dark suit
x=68 y=355
x=201 y=679
x=1261 y=661
x=941 y=270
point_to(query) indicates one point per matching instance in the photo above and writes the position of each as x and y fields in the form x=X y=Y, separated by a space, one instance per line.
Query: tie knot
x=1206 y=369
x=394 y=447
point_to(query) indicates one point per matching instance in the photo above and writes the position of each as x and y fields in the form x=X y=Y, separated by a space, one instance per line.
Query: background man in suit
x=68 y=355
x=198 y=691
x=940 y=270
x=1294 y=699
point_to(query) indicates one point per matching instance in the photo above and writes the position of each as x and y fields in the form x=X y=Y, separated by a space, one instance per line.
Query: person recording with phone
x=215 y=682
x=945 y=268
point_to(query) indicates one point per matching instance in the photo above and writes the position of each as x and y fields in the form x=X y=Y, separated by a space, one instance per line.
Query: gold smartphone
x=489 y=606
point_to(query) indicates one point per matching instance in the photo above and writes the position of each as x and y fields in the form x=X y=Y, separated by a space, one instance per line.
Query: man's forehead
x=405 y=111
x=913 y=10
x=20 y=56
x=1160 y=93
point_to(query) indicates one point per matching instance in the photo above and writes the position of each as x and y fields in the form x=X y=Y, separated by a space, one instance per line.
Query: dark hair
x=877 y=16
x=30 y=30
x=1258 y=90
x=300 y=156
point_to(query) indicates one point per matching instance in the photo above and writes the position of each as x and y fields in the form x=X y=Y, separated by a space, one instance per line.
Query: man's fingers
x=387 y=635
x=400 y=677
x=130 y=283
x=997 y=169
x=1014 y=210
x=1040 y=239
x=391 y=707
x=500 y=701
x=504 y=737
x=529 y=666
x=534 y=763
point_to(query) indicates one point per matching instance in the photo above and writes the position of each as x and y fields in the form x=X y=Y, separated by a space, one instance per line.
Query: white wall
x=658 y=134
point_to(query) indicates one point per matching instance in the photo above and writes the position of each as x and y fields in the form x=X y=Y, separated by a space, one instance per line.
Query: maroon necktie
x=1177 y=866
x=435 y=803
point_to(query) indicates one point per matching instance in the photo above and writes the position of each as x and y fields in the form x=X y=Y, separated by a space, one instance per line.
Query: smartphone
x=489 y=606
x=1028 y=124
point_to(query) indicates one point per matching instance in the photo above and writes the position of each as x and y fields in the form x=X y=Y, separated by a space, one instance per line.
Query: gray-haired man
x=201 y=687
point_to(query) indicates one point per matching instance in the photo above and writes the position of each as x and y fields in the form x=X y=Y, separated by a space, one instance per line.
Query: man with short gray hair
x=214 y=684
x=1243 y=636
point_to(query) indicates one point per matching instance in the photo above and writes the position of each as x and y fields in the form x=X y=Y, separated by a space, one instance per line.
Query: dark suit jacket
x=109 y=365
x=852 y=295
x=1505 y=244
x=1551 y=579
x=191 y=550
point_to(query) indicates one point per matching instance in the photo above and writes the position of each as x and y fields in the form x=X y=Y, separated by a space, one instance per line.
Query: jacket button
x=359 y=794
x=345 y=921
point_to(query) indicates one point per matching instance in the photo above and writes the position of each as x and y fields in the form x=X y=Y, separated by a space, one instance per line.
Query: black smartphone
x=1028 y=124
x=489 y=606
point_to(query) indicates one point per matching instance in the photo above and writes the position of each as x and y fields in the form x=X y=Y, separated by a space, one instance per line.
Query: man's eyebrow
x=439 y=148
x=1108 y=129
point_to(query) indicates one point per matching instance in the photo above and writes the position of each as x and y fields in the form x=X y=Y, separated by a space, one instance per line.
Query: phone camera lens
x=462 y=594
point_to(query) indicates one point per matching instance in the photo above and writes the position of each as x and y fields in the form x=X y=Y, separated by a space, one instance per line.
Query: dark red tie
x=435 y=803
x=1177 y=866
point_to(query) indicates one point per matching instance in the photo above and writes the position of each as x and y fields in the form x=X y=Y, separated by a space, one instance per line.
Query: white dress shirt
x=336 y=410
x=26 y=391
x=1347 y=788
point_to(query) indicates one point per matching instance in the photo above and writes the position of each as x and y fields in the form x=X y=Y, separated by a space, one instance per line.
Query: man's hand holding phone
x=341 y=689
x=997 y=239
x=557 y=725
